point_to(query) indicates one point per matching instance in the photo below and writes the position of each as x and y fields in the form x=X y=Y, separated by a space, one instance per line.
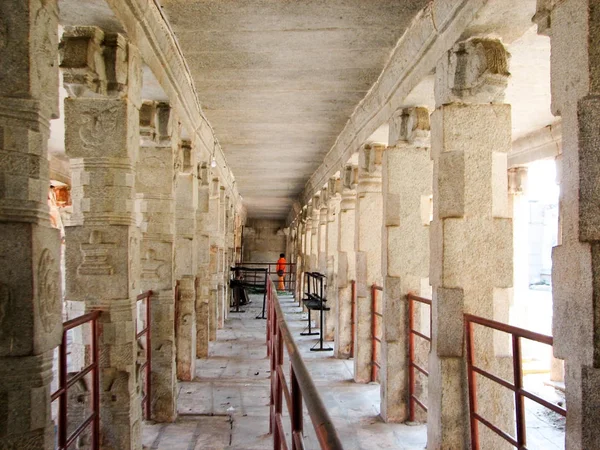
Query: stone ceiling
x=278 y=80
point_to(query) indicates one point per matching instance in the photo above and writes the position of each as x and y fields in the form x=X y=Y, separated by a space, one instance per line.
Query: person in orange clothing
x=281 y=262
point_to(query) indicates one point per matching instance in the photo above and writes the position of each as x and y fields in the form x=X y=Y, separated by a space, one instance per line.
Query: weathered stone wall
x=264 y=240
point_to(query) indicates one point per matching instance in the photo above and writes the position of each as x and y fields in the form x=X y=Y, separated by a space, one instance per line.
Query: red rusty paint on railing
x=354 y=313
x=302 y=388
x=147 y=365
x=64 y=440
x=412 y=364
x=376 y=318
x=517 y=386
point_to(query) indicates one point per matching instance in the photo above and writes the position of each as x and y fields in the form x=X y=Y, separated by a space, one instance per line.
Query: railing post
x=373 y=333
x=411 y=360
x=297 y=421
x=96 y=385
x=149 y=357
x=353 y=314
x=519 y=400
x=472 y=385
x=62 y=400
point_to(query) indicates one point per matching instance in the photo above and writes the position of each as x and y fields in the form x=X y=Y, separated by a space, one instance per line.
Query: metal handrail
x=376 y=337
x=517 y=386
x=64 y=440
x=302 y=388
x=290 y=272
x=412 y=365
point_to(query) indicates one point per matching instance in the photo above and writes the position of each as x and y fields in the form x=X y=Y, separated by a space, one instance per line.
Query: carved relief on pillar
x=473 y=71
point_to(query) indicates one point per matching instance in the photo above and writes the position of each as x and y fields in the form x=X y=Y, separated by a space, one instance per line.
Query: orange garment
x=281 y=264
x=281 y=267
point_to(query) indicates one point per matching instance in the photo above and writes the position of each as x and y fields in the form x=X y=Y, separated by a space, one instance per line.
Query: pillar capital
x=370 y=158
x=410 y=126
x=517 y=180
x=473 y=71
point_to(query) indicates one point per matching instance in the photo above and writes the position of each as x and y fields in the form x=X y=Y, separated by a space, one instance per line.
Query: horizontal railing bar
x=79 y=375
x=141 y=333
x=80 y=429
x=557 y=409
x=325 y=430
x=77 y=321
x=495 y=378
x=419 y=368
x=521 y=332
x=419 y=402
x=507 y=437
x=416 y=298
x=421 y=335
x=144 y=295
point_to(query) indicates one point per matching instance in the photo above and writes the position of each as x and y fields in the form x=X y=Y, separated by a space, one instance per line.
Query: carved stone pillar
x=308 y=232
x=471 y=237
x=30 y=290
x=314 y=236
x=186 y=263
x=346 y=271
x=203 y=248
x=367 y=244
x=575 y=75
x=157 y=170
x=102 y=74
x=212 y=226
x=222 y=287
x=322 y=240
x=331 y=254
x=405 y=253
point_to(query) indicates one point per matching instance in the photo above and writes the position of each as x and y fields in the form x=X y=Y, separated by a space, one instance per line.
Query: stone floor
x=226 y=406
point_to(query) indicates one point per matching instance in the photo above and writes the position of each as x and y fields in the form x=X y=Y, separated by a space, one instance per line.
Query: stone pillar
x=471 y=236
x=367 y=244
x=331 y=254
x=221 y=255
x=346 y=271
x=314 y=236
x=405 y=253
x=300 y=256
x=155 y=185
x=186 y=262
x=212 y=226
x=575 y=75
x=203 y=221
x=519 y=207
x=322 y=241
x=30 y=289
x=102 y=74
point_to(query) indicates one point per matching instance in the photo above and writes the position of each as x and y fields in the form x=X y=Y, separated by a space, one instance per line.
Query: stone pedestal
x=346 y=264
x=30 y=290
x=102 y=74
x=405 y=254
x=471 y=238
x=575 y=77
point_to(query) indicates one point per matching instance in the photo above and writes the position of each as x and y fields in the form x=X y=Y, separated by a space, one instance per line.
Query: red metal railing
x=289 y=280
x=412 y=359
x=66 y=381
x=354 y=313
x=376 y=318
x=517 y=386
x=146 y=366
x=302 y=387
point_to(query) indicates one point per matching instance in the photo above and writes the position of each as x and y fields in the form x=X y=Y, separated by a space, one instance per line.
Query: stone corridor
x=227 y=404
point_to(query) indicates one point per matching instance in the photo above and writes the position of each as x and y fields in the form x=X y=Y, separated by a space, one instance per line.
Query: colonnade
x=430 y=214
x=148 y=213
